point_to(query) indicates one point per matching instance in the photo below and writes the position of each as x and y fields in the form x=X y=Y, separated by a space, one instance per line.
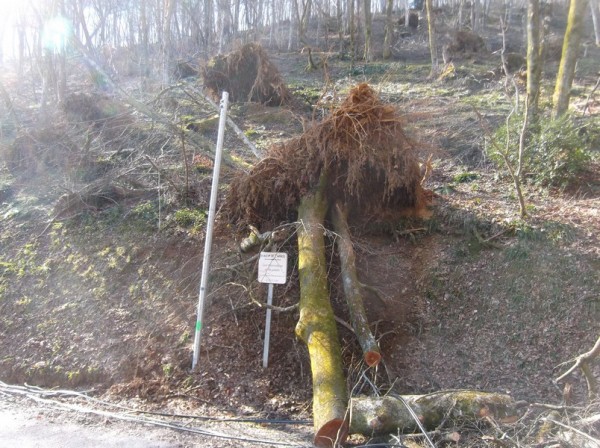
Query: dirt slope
x=474 y=298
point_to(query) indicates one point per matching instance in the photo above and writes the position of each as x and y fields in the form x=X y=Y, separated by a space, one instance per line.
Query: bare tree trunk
x=170 y=6
x=461 y=8
x=62 y=60
x=21 y=36
x=534 y=59
x=291 y=30
x=272 y=29
x=475 y=13
x=224 y=24
x=389 y=30
x=316 y=325
x=83 y=25
x=432 y=38
x=257 y=20
x=208 y=24
x=8 y=104
x=594 y=5
x=484 y=16
x=368 y=30
x=318 y=33
x=352 y=29
x=303 y=19
x=48 y=80
x=340 y=24
x=236 y=18
x=571 y=44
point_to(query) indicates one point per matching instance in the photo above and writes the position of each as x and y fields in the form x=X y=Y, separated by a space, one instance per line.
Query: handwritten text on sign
x=272 y=267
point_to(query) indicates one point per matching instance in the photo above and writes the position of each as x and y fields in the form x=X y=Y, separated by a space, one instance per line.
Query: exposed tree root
x=583 y=362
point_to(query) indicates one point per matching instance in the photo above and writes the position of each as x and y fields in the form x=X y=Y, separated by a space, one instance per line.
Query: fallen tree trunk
x=389 y=414
x=352 y=288
x=317 y=327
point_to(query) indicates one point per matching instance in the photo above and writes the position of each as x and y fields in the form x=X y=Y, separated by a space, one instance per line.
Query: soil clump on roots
x=370 y=163
x=247 y=75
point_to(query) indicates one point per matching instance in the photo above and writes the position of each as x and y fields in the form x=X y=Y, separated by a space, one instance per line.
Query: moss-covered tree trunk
x=571 y=44
x=317 y=327
x=389 y=414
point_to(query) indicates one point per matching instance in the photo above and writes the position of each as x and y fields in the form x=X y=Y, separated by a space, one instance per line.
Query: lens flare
x=56 y=34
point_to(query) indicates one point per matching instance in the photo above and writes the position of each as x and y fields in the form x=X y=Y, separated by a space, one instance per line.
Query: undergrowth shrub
x=556 y=153
x=187 y=217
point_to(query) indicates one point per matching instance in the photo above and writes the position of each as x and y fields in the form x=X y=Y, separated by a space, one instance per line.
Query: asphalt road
x=25 y=430
x=27 y=421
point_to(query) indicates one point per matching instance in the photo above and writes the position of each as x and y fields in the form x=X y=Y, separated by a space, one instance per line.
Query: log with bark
x=316 y=326
x=353 y=288
x=390 y=414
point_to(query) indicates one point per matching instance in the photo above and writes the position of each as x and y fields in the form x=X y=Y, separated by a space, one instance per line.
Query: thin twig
x=503 y=154
x=587 y=102
x=575 y=430
x=582 y=362
x=553 y=407
x=417 y=421
x=159 y=170
x=231 y=123
x=277 y=309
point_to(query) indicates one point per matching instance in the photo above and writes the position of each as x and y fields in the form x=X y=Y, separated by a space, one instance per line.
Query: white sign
x=272 y=267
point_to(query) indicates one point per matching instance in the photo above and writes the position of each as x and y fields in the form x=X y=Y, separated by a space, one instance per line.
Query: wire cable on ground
x=71 y=393
x=36 y=394
x=417 y=421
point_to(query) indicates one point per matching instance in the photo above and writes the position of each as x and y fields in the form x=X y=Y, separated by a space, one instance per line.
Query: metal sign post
x=272 y=269
x=209 y=228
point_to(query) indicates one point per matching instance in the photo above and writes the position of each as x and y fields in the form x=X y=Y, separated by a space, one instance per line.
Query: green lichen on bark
x=317 y=327
x=389 y=414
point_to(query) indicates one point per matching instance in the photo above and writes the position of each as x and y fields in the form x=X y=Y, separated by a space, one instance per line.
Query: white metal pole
x=209 y=229
x=268 y=327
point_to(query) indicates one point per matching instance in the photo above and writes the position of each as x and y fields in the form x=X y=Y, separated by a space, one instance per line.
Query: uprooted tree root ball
x=247 y=75
x=359 y=162
x=371 y=165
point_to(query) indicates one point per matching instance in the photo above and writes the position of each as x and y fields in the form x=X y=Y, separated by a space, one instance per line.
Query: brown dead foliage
x=98 y=195
x=553 y=47
x=247 y=75
x=184 y=70
x=466 y=42
x=98 y=113
x=515 y=62
x=36 y=151
x=369 y=162
x=91 y=107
